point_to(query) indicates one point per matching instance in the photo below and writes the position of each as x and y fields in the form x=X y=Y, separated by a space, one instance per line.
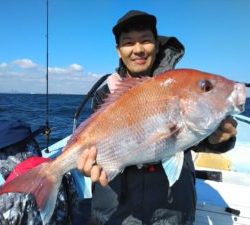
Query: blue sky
x=215 y=34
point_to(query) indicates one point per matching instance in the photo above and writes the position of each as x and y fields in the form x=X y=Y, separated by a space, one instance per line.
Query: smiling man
x=138 y=50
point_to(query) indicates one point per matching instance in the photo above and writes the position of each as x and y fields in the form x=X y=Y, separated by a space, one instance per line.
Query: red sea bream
x=145 y=120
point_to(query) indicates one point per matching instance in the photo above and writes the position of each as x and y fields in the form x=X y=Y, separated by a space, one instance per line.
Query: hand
x=89 y=168
x=225 y=131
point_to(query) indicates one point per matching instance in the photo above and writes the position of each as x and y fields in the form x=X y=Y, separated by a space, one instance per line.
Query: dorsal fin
x=122 y=87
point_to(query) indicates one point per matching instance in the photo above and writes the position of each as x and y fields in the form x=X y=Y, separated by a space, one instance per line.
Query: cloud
x=3 y=65
x=24 y=63
x=76 y=67
x=71 y=69
x=23 y=75
x=57 y=70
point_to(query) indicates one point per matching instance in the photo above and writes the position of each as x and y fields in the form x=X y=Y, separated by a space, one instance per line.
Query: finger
x=91 y=160
x=219 y=137
x=103 y=178
x=233 y=121
x=229 y=125
x=87 y=160
x=82 y=160
x=95 y=173
x=228 y=128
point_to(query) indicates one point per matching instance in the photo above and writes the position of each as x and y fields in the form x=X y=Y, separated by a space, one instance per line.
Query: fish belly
x=149 y=142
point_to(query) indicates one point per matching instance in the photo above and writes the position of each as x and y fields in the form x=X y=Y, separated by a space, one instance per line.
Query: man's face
x=138 y=50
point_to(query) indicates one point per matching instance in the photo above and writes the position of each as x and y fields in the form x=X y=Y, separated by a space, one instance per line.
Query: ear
x=118 y=51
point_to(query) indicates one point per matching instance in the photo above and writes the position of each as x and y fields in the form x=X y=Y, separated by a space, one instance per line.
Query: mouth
x=241 y=108
x=140 y=61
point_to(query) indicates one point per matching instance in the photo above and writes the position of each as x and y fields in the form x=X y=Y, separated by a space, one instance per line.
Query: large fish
x=145 y=120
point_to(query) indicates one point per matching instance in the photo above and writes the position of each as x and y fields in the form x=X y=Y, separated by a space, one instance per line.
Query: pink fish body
x=145 y=120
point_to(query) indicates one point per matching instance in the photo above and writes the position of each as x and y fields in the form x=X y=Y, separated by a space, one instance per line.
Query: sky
x=215 y=34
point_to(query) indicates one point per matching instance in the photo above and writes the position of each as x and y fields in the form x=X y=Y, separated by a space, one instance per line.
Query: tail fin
x=42 y=184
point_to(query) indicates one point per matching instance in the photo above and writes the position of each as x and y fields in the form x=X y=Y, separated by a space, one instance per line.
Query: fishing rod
x=47 y=128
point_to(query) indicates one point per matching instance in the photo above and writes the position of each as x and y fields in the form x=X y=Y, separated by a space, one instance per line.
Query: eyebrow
x=129 y=38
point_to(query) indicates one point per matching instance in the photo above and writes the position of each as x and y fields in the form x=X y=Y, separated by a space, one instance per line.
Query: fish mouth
x=238 y=97
x=241 y=108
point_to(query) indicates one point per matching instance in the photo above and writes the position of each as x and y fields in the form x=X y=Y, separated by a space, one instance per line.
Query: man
x=143 y=196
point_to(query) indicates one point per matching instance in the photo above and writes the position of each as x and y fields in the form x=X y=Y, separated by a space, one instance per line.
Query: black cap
x=12 y=132
x=133 y=16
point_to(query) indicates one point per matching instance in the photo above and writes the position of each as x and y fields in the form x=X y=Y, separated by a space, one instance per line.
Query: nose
x=138 y=47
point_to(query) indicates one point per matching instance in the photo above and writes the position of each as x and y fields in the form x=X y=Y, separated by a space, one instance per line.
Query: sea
x=32 y=109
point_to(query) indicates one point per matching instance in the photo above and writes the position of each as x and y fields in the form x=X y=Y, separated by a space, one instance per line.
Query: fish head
x=206 y=99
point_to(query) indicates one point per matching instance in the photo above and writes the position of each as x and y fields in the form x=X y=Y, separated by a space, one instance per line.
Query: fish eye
x=206 y=85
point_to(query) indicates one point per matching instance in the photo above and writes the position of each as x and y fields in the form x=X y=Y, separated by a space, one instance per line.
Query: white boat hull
x=227 y=202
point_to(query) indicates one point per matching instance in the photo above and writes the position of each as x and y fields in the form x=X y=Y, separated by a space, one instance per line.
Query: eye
x=128 y=43
x=206 y=85
x=146 y=41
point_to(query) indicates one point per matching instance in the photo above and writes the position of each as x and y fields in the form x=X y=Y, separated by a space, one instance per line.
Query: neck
x=141 y=74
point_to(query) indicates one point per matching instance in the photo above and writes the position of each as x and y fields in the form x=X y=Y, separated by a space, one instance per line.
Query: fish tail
x=42 y=184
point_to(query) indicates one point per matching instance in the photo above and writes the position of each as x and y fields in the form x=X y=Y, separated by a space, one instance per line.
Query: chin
x=141 y=72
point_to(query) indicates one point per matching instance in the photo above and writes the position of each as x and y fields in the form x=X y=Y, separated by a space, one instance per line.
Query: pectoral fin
x=173 y=166
x=160 y=135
